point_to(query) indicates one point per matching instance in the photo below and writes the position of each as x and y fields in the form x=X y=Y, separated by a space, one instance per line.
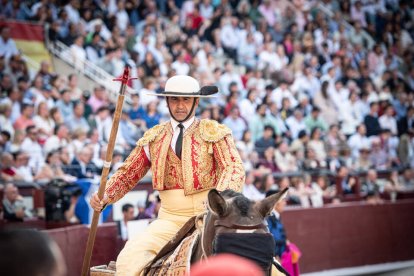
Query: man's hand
x=98 y=204
x=20 y=213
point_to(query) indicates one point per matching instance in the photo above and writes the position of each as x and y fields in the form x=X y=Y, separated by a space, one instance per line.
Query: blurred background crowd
x=319 y=94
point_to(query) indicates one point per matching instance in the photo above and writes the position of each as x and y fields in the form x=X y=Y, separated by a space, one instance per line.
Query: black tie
x=179 y=144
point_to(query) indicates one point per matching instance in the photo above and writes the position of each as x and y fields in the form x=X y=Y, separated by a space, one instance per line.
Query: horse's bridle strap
x=236 y=226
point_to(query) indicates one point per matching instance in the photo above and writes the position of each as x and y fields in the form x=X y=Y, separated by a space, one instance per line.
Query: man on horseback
x=188 y=157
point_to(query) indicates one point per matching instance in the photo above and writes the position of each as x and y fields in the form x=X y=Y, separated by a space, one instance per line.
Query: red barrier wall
x=352 y=234
x=72 y=240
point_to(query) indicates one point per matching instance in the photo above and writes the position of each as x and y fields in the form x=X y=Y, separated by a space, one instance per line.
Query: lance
x=105 y=171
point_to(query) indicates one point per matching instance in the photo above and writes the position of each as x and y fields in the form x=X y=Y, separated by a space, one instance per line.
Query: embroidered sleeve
x=231 y=166
x=128 y=175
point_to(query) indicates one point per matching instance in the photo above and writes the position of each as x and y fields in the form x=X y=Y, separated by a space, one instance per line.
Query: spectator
x=260 y=120
x=347 y=183
x=40 y=254
x=25 y=118
x=127 y=215
x=266 y=141
x=99 y=98
x=268 y=160
x=276 y=227
x=387 y=120
x=152 y=117
x=249 y=189
x=378 y=156
x=285 y=161
x=59 y=139
x=406 y=123
x=371 y=184
x=358 y=140
x=78 y=121
x=7 y=45
x=65 y=104
x=296 y=123
x=5 y=118
x=322 y=191
x=82 y=165
x=245 y=144
x=371 y=120
x=32 y=147
x=43 y=123
x=325 y=103
x=52 y=169
x=313 y=121
x=235 y=123
x=13 y=204
x=129 y=131
x=142 y=214
x=21 y=164
x=363 y=162
x=8 y=171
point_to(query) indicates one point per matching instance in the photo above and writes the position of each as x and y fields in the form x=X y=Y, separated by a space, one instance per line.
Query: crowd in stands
x=302 y=90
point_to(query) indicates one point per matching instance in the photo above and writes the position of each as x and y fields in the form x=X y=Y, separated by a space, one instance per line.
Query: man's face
x=129 y=214
x=180 y=107
x=11 y=193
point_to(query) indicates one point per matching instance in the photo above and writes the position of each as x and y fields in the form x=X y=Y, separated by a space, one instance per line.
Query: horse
x=232 y=224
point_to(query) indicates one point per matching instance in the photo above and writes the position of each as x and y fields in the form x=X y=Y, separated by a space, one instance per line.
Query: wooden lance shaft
x=105 y=172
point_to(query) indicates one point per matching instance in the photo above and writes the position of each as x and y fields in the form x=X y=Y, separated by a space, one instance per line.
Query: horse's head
x=231 y=213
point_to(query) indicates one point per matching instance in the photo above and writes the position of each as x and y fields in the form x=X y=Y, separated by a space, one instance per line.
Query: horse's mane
x=240 y=201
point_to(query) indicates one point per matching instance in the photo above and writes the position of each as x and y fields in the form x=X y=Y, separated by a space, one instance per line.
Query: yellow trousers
x=176 y=209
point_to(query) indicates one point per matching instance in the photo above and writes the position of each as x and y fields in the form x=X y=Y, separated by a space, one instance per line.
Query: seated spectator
x=335 y=139
x=99 y=98
x=78 y=120
x=296 y=123
x=25 y=118
x=327 y=106
x=371 y=185
x=312 y=163
x=285 y=161
x=358 y=140
x=8 y=171
x=5 y=144
x=347 y=183
x=142 y=211
x=406 y=179
x=43 y=123
x=268 y=160
x=129 y=131
x=363 y=162
x=301 y=190
x=333 y=161
x=136 y=112
x=322 y=191
x=21 y=164
x=245 y=144
x=52 y=168
x=127 y=215
x=260 y=120
x=266 y=141
x=249 y=189
x=316 y=144
x=82 y=165
x=298 y=146
x=406 y=123
x=371 y=120
x=65 y=104
x=378 y=156
x=32 y=147
x=58 y=140
x=152 y=116
x=405 y=150
x=13 y=205
x=313 y=120
x=236 y=123
x=388 y=121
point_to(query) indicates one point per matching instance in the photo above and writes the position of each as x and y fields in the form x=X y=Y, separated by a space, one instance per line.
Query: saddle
x=175 y=257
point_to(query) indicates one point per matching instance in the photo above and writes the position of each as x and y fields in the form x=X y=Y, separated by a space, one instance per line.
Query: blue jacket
x=278 y=231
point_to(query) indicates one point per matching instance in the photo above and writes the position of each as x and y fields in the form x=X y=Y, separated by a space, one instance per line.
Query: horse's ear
x=266 y=205
x=217 y=203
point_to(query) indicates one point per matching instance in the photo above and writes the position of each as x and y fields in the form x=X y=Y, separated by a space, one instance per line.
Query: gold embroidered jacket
x=209 y=160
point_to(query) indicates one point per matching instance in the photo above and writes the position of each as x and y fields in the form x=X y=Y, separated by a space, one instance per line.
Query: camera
x=58 y=194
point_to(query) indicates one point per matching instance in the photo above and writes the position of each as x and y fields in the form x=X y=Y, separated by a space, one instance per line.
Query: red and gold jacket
x=209 y=160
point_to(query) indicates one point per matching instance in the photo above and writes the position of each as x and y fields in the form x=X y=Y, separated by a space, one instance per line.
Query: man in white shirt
x=32 y=147
x=7 y=45
x=358 y=140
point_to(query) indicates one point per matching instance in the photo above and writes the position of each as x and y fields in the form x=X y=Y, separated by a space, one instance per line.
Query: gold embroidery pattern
x=158 y=150
x=233 y=174
x=151 y=134
x=212 y=131
x=173 y=172
x=128 y=175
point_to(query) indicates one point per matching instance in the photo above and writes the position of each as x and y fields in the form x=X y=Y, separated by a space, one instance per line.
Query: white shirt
x=176 y=130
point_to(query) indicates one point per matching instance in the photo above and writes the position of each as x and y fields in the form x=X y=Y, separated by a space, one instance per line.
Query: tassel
x=210 y=148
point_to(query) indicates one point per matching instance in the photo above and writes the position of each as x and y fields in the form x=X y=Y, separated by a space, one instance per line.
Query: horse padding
x=175 y=257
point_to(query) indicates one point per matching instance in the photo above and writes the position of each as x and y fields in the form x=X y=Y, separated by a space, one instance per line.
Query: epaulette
x=151 y=134
x=212 y=131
